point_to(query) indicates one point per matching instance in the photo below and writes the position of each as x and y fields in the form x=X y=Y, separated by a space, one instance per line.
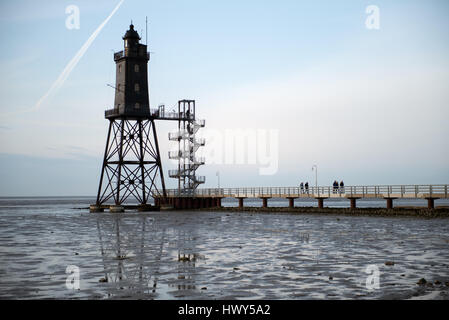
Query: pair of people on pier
x=304 y=187
x=338 y=187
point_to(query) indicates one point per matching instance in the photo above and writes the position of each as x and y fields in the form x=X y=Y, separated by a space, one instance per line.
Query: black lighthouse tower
x=132 y=169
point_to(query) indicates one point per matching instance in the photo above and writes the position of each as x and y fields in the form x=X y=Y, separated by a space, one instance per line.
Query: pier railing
x=171 y=115
x=383 y=191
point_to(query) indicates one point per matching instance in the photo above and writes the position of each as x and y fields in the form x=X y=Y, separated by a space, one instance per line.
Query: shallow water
x=215 y=255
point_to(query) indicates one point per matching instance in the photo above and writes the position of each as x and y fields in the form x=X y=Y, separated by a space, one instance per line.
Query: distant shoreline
x=416 y=212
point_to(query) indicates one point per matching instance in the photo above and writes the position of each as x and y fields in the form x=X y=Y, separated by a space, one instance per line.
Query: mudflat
x=219 y=254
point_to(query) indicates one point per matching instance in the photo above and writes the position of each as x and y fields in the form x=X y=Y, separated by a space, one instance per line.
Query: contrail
x=72 y=64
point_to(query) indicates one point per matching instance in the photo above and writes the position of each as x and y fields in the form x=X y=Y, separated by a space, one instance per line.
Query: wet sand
x=219 y=255
x=405 y=211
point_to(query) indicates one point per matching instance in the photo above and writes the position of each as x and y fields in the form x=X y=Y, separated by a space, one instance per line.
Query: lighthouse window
x=119 y=68
x=136 y=87
x=137 y=105
x=136 y=68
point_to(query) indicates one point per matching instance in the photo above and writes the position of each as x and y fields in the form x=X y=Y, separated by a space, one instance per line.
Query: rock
x=103 y=280
x=203 y=288
x=236 y=268
x=331 y=278
x=389 y=263
x=447 y=283
x=430 y=284
x=437 y=282
x=402 y=275
x=422 y=282
x=76 y=253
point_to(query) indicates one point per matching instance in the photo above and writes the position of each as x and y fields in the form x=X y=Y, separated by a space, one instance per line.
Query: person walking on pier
x=342 y=187
x=301 y=186
x=335 y=186
x=306 y=186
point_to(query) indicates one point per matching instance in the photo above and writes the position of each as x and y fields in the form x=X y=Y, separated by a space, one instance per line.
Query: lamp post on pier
x=218 y=177
x=315 y=167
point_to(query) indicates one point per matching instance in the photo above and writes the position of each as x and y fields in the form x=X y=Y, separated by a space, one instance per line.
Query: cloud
x=370 y=119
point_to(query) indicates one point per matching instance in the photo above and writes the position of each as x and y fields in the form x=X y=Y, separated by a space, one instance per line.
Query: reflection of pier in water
x=142 y=259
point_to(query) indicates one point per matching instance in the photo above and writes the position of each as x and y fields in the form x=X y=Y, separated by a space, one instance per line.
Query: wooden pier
x=204 y=198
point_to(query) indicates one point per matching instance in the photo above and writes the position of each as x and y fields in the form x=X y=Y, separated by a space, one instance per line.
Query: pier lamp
x=315 y=167
x=218 y=176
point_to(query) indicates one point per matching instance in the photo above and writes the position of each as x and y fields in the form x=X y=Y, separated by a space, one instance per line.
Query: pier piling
x=291 y=202
x=431 y=203
x=241 y=202
x=353 y=202
x=265 y=202
x=320 y=202
x=390 y=202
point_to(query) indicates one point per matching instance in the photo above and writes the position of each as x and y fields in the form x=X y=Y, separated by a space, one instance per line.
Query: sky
x=307 y=79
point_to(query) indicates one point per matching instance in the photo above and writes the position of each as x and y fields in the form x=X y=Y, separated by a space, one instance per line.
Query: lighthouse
x=132 y=168
x=131 y=87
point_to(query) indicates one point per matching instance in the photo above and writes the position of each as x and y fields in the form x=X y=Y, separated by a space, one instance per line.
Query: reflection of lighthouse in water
x=144 y=260
x=131 y=250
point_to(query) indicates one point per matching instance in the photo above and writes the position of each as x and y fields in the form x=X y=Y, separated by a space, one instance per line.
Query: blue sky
x=366 y=106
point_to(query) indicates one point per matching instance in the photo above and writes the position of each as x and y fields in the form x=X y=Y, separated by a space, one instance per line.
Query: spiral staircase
x=188 y=162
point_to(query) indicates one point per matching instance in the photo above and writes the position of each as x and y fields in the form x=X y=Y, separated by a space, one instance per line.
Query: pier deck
x=352 y=193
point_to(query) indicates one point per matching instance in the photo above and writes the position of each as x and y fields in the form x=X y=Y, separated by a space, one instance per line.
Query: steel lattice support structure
x=132 y=163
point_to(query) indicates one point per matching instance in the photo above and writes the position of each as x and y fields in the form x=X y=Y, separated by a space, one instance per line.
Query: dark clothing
x=335 y=186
